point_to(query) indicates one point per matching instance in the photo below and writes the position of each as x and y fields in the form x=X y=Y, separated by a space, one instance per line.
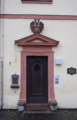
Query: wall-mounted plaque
x=71 y=71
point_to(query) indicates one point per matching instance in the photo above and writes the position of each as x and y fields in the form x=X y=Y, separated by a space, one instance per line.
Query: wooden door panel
x=37 y=88
x=37 y=80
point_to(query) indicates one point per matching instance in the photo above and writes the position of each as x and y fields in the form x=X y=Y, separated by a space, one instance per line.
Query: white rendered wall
x=58 y=7
x=63 y=31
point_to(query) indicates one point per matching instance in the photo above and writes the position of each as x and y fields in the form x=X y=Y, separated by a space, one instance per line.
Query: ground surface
x=59 y=115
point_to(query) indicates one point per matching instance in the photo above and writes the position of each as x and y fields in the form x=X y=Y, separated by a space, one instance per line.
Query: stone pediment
x=36 y=39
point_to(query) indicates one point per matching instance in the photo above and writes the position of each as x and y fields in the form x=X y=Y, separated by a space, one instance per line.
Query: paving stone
x=58 y=115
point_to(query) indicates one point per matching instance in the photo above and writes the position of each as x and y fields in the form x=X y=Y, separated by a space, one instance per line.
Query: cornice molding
x=33 y=16
x=38 y=2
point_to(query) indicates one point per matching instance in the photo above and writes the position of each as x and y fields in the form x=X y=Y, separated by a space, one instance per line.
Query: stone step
x=37 y=107
x=38 y=112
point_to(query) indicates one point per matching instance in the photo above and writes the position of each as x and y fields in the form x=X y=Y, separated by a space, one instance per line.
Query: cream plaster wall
x=1 y=5
x=11 y=54
x=66 y=91
x=63 y=31
x=58 y=7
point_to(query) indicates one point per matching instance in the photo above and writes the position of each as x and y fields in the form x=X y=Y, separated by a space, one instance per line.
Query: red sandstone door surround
x=37 y=45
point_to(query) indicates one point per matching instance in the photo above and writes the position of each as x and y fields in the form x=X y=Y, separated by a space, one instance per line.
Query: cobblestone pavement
x=59 y=115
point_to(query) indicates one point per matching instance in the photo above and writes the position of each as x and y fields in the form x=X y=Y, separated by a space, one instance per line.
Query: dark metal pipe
x=1 y=84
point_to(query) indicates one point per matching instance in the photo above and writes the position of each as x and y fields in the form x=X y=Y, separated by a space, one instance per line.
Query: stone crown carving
x=36 y=26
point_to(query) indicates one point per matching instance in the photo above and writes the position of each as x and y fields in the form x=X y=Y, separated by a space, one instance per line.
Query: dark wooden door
x=37 y=79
